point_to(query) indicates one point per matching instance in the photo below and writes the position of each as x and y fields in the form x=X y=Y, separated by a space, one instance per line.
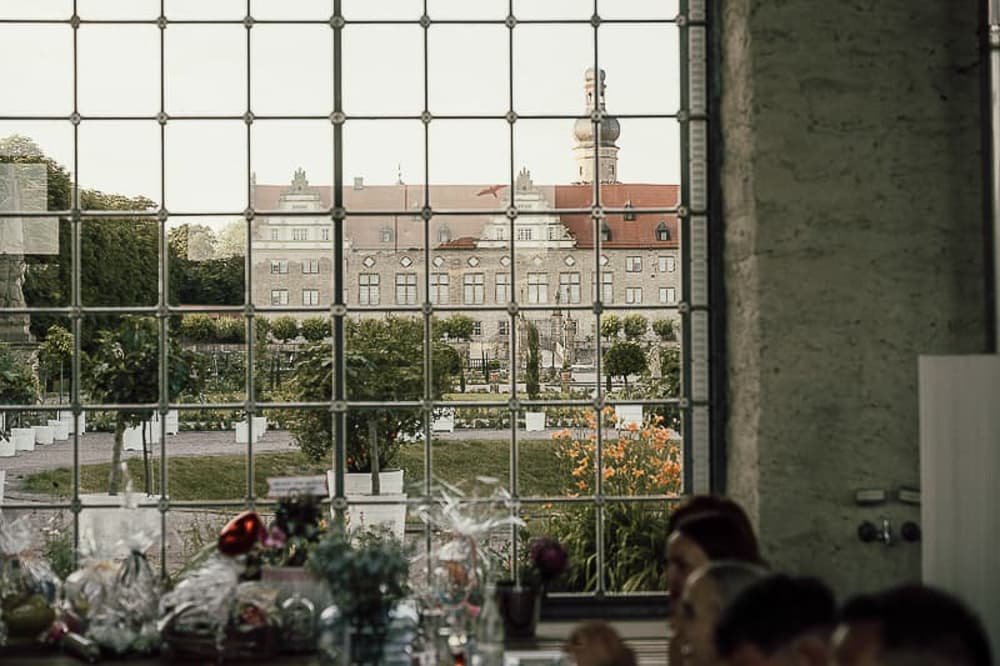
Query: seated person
x=709 y=590
x=704 y=528
x=778 y=621
x=598 y=644
x=913 y=625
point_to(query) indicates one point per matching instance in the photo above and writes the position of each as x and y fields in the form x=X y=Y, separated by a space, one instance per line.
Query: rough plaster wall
x=852 y=208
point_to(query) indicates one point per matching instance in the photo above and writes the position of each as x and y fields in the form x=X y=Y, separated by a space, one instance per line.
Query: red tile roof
x=366 y=232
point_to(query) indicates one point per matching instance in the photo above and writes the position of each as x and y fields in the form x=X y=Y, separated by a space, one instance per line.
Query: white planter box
x=60 y=431
x=445 y=422
x=67 y=418
x=132 y=440
x=152 y=429
x=7 y=448
x=43 y=434
x=534 y=421
x=173 y=422
x=103 y=524
x=360 y=483
x=626 y=415
x=387 y=510
x=242 y=429
x=24 y=438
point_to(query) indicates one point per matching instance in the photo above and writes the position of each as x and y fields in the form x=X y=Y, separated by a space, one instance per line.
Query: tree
x=315 y=329
x=635 y=326
x=126 y=370
x=197 y=276
x=197 y=327
x=284 y=328
x=54 y=353
x=383 y=362
x=18 y=384
x=230 y=330
x=664 y=329
x=611 y=326
x=456 y=327
x=534 y=364
x=624 y=358
x=232 y=240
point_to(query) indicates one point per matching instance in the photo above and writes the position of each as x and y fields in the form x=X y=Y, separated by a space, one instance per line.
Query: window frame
x=689 y=226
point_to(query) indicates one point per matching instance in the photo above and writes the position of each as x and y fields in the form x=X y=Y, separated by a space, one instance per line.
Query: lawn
x=224 y=477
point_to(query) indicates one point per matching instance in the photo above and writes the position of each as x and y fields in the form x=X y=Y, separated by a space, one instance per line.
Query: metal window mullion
x=163 y=314
x=339 y=392
x=76 y=253
x=685 y=251
x=597 y=120
x=513 y=404
x=251 y=398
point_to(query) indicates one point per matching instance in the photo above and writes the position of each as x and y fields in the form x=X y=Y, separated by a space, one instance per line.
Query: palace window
x=368 y=288
x=406 y=288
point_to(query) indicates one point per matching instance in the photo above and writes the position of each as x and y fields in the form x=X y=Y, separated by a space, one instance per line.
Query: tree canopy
x=383 y=363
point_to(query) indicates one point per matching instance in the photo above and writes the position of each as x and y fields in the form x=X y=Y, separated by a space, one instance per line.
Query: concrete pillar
x=852 y=208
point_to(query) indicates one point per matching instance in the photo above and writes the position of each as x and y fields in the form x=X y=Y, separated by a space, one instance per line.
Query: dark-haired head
x=702 y=537
x=779 y=619
x=695 y=504
x=911 y=624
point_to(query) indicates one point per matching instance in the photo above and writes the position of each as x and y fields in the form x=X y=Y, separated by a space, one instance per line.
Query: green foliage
x=664 y=329
x=455 y=327
x=611 y=326
x=56 y=350
x=635 y=325
x=624 y=358
x=315 y=329
x=367 y=572
x=284 y=328
x=197 y=328
x=18 y=384
x=634 y=547
x=200 y=276
x=125 y=369
x=534 y=362
x=230 y=330
x=383 y=362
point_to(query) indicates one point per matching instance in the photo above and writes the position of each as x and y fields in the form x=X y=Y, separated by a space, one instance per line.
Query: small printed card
x=289 y=486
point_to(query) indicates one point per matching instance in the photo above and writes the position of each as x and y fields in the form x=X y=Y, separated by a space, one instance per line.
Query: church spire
x=608 y=131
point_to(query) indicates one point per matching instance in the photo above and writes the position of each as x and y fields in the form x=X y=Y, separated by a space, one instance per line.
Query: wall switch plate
x=869 y=496
x=909 y=495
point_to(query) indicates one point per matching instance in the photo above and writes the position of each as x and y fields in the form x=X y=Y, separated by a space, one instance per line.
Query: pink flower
x=275 y=538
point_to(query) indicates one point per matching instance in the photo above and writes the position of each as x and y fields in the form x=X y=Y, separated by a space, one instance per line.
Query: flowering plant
x=547 y=559
x=642 y=460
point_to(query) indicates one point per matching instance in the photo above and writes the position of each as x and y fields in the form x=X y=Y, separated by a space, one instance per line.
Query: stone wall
x=852 y=204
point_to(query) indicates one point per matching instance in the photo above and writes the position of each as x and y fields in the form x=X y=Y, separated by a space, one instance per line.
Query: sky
x=291 y=73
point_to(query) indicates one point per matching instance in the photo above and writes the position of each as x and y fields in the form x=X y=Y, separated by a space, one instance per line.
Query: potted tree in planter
x=18 y=386
x=126 y=370
x=383 y=363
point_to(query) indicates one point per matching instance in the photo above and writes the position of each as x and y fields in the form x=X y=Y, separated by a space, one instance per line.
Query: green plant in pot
x=367 y=573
